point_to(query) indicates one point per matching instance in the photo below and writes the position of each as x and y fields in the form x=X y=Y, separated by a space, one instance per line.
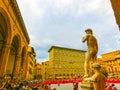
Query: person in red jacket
x=109 y=87
x=76 y=86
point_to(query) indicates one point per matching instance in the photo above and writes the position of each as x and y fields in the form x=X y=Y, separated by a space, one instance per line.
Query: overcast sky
x=63 y=22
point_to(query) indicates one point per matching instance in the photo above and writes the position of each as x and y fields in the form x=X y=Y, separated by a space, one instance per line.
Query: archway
x=3 y=32
x=5 y=39
x=23 y=62
x=22 y=59
x=12 y=56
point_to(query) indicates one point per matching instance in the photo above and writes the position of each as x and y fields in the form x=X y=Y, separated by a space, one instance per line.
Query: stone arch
x=18 y=44
x=23 y=62
x=14 y=53
x=5 y=39
x=23 y=53
x=5 y=29
x=5 y=24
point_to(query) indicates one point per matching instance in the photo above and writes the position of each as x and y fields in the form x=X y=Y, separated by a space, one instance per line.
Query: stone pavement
x=70 y=86
x=63 y=86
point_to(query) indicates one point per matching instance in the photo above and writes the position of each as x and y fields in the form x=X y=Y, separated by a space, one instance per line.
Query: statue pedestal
x=87 y=85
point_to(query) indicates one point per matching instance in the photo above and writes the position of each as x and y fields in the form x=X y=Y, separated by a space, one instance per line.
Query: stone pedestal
x=87 y=85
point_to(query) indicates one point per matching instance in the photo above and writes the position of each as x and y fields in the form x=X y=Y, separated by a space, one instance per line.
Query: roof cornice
x=65 y=48
x=18 y=15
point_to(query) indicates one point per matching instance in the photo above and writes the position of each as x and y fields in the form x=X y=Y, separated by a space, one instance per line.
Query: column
x=16 y=70
x=4 y=59
x=25 y=66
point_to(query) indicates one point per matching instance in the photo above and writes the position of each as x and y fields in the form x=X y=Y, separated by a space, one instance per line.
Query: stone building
x=112 y=62
x=30 y=65
x=38 y=71
x=45 y=70
x=14 y=40
x=65 y=62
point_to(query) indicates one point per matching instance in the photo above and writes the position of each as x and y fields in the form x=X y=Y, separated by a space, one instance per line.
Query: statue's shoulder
x=95 y=76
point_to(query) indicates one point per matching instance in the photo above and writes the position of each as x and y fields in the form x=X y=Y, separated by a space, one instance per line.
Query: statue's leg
x=94 y=57
x=93 y=60
x=86 y=64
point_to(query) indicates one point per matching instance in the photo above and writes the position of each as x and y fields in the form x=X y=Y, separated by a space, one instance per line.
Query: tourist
x=113 y=87
x=109 y=87
x=75 y=86
x=54 y=89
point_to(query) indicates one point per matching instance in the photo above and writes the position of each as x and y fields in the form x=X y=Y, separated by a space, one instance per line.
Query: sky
x=63 y=22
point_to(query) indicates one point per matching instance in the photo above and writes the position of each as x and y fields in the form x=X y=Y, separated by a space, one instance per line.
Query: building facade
x=14 y=40
x=112 y=62
x=116 y=8
x=65 y=62
x=38 y=71
x=30 y=65
x=45 y=70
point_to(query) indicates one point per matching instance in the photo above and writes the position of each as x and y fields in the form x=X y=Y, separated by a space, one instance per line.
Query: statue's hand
x=83 y=39
x=86 y=76
x=87 y=79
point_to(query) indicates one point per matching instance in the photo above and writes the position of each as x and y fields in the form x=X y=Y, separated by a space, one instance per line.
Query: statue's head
x=96 y=65
x=89 y=31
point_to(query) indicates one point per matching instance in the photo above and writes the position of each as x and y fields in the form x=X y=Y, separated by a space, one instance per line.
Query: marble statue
x=92 y=50
x=98 y=79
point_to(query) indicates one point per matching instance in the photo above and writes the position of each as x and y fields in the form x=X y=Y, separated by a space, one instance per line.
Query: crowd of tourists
x=23 y=85
x=14 y=84
x=9 y=84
